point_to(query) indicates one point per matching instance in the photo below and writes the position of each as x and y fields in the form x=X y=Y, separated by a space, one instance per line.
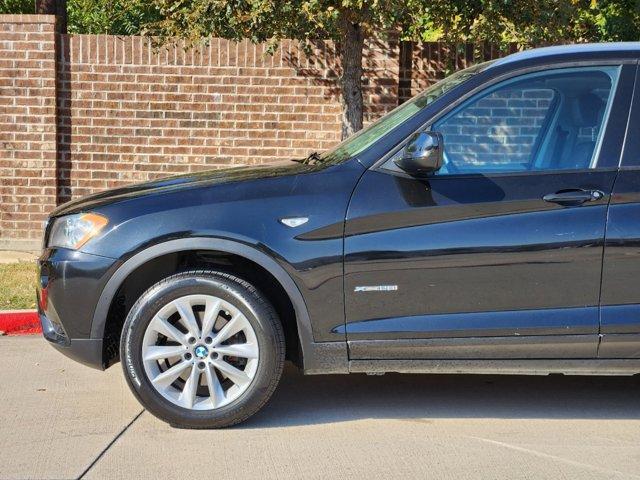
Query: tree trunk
x=54 y=7
x=351 y=48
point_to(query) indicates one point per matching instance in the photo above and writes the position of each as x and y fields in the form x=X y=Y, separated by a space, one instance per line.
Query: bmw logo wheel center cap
x=201 y=351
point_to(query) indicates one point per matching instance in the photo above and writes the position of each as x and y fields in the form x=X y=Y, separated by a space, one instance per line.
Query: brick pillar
x=27 y=127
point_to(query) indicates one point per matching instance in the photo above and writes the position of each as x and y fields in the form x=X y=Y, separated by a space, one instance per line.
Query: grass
x=17 y=285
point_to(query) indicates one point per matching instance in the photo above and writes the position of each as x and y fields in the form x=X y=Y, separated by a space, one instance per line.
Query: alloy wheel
x=200 y=352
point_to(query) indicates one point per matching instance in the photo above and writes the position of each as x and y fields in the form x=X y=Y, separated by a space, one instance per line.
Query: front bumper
x=69 y=286
x=87 y=351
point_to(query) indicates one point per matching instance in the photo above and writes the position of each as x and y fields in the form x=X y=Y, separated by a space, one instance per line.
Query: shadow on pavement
x=309 y=400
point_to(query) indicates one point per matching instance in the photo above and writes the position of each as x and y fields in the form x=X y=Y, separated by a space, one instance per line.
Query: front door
x=498 y=254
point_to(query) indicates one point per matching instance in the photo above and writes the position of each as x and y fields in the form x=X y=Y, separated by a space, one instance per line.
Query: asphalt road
x=61 y=420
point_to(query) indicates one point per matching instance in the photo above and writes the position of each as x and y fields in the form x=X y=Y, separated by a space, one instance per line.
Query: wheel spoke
x=186 y=314
x=233 y=326
x=188 y=396
x=160 y=325
x=216 y=393
x=232 y=373
x=244 y=350
x=162 y=352
x=169 y=376
x=211 y=311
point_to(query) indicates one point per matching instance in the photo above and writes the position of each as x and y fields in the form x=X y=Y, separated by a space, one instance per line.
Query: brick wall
x=27 y=125
x=422 y=64
x=130 y=113
x=82 y=113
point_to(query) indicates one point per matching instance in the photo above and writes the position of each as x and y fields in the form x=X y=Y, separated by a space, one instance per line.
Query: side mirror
x=423 y=154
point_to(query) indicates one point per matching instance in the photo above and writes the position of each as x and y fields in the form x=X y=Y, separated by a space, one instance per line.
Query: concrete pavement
x=13 y=256
x=61 y=420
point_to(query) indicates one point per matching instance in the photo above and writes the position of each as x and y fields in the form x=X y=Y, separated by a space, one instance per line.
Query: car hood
x=184 y=182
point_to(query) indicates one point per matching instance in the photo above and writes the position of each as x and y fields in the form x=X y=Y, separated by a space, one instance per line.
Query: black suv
x=490 y=224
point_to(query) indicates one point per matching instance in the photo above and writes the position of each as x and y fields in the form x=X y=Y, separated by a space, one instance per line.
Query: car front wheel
x=202 y=349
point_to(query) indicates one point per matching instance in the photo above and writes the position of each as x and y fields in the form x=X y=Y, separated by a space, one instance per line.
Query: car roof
x=611 y=48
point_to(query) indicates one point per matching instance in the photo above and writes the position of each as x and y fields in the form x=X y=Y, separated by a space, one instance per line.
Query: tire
x=207 y=393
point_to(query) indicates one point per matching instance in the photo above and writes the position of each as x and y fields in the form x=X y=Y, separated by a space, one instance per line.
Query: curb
x=19 y=322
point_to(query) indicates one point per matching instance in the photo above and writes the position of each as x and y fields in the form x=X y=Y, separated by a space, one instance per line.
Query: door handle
x=573 y=197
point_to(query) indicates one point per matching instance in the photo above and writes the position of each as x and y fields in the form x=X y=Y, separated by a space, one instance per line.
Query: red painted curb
x=20 y=322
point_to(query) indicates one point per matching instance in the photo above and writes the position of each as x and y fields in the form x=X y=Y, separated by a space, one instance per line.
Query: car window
x=368 y=136
x=549 y=120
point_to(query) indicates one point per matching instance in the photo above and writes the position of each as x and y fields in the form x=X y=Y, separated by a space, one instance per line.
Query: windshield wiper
x=312 y=158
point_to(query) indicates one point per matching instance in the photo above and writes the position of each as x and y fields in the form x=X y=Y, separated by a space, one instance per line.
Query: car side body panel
x=318 y=356
x=620 y=299
x=219 y=212
x=475 y=257
x=249 y=213
x=480 y=257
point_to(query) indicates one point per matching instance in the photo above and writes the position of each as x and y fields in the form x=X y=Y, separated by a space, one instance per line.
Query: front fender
x=318 y=357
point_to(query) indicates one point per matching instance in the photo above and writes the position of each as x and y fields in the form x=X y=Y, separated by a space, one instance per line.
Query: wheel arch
x=250 y=253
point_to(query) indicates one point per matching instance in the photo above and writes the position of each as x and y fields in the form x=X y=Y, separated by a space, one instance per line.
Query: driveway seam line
x=109 y=445
x=557 y=458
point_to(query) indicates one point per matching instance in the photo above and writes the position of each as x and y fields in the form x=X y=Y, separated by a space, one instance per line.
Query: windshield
x=368 y=136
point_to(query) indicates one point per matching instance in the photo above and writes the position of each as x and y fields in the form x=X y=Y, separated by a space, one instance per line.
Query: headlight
x=73 y=231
